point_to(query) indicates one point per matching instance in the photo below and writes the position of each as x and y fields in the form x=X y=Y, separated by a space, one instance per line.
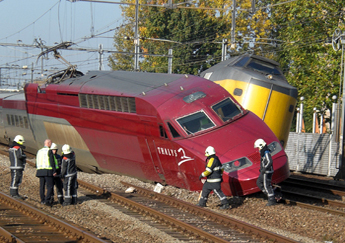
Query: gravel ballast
x=300 y=224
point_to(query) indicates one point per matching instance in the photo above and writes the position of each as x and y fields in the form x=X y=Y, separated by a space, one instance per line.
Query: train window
x=242 y=62
x=173 y=131
x=226 y=109
x=17 y=120
x=162 y=132
x=12 y=120
x=236 y=165
x=195 y=122
x=193 y=97
x=21 y=123
x=264 y=67
x=8 y=119
x=26 y=122
x=238 y=92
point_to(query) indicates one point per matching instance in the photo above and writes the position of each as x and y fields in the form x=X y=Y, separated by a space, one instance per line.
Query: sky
x=51 y=22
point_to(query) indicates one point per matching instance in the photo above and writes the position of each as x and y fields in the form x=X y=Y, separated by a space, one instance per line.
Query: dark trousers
x=216 y=188
x=59 y=188
x=16 y=180
x=264 y=183
x=70 y=187
x=46 y=182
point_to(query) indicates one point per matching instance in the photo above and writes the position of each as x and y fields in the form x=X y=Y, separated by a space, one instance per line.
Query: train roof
x=158 y=89
x=123 y=82
x=252 y=69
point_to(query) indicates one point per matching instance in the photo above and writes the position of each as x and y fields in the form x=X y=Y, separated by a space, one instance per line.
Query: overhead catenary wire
x=168 y=37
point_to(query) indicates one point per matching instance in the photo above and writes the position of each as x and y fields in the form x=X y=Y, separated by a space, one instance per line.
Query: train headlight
x=237 y=164
x=269 y=76
x=275 y=148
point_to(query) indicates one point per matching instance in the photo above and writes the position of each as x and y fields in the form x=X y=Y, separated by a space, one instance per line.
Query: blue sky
x=54 y=21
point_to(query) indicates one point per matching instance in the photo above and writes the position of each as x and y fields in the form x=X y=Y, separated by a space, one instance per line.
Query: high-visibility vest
x=56 y=162
x=42 y=159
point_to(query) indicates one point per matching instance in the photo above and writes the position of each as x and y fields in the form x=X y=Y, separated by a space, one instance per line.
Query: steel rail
x=313 y=207
x=6 y=236
x=152 y=213
x=319 y=187
x=45 y=218
x=317 y=199
x=216 y=217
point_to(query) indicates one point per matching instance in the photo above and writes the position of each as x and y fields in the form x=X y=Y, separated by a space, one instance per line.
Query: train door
x=151 y=130
x=162 y=154
x=152 y=148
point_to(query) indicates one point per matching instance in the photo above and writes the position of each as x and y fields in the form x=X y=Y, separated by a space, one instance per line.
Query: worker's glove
x=200 y=176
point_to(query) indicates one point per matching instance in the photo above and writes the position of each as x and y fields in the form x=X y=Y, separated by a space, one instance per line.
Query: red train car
x=153 y=127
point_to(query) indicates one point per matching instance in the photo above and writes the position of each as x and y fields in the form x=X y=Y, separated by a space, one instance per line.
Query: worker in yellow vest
x=46 y=170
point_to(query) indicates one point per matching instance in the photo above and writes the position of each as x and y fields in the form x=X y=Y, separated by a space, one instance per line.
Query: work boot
x=13 y=192
x=60 y=200
x=67 y=202
x=74 y=201
x=225 y=206
x=271 y=201
x=48 y=203
x=202 y=203
x=18 y=197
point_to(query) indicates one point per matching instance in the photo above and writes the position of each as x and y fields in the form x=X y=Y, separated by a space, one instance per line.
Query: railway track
x=167 y=219
x=20 y=222
x=322 y=195
x=192 y=221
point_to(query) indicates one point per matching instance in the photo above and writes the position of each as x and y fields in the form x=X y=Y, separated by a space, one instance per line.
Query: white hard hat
x=19 y=139
x=66 y=149
x=259 y=143
x=210 y=151
x=53 y=146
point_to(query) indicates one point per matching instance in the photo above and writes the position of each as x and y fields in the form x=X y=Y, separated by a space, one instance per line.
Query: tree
x=306 y=54
x=195 y=33
x=124 y=60
x=192 y=34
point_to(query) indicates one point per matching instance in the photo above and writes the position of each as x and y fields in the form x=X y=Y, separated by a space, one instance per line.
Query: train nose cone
x=240 y=175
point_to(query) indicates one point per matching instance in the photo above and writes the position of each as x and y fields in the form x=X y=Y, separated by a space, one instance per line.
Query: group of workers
x=214 y=171
x=52 y=169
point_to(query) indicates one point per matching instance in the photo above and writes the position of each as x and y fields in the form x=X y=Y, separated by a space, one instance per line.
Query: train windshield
x=195 y=122
x=226 y=109
x=263 y=67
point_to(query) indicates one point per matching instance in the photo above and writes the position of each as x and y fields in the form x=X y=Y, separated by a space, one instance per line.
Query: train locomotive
x=259 y=85
x=151 y=126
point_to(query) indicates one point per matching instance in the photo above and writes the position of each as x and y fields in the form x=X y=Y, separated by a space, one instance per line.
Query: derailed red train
x=146 y=125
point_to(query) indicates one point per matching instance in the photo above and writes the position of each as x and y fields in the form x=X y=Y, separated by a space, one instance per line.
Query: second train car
x=259 y=85
x=153 y=127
